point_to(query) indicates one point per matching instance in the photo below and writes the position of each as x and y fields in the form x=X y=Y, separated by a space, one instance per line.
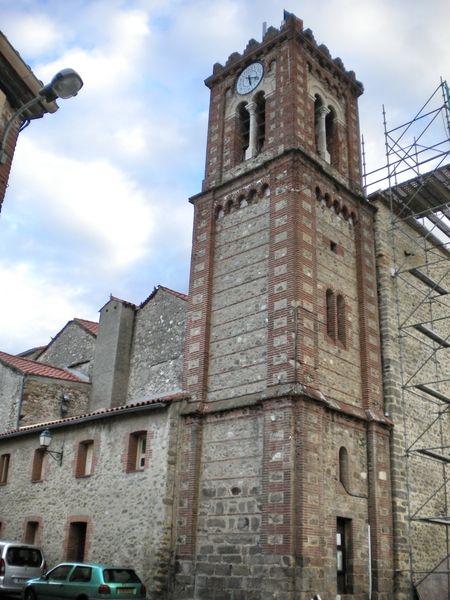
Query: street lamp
x=65 y=84
x=44 y=439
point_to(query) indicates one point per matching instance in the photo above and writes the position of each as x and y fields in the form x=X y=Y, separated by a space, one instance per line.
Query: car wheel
x=30 y=594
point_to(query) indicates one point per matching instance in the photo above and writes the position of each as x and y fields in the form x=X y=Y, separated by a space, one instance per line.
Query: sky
x=97 y=202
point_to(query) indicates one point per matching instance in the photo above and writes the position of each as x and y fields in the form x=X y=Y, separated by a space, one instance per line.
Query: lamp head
x=45 y=438
x=65 y=84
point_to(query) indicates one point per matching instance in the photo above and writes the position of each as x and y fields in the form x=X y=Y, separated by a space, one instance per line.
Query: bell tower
x=285 y=456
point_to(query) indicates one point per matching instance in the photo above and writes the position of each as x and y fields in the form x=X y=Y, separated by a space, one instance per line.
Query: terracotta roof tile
x=32 y=367
x=163 y=400
x=91 y=326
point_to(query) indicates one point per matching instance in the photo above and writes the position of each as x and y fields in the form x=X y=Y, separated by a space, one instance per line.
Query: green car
x=85 y=581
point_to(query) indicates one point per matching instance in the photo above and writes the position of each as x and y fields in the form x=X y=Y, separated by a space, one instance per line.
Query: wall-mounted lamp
x=65 y=84
x=44 y=439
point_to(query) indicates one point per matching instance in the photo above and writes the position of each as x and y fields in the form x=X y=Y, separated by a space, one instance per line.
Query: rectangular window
x=137 y=451
x=85 y=459
x=31 y=532
x=38 y=464
x=4 y=467
x=343 y=552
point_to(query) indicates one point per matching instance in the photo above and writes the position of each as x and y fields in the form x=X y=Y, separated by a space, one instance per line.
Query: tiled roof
x=32 y=367
x=91 y=326
x=165 y=289
x=103 y=412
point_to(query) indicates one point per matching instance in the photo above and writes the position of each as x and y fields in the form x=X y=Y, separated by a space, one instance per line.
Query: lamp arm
x=10 y=123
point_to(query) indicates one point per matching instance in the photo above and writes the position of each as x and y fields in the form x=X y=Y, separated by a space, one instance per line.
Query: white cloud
x=93 y=201
x=31 y=305
x=34 y=33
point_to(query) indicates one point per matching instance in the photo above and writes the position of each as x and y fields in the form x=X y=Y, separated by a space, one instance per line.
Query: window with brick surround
x=336 y=317
x=340 y=318
x=31 y=532
x=85 y=458
x=343 y=467
x=137 y=451
x=38 y=465
x=331 y=316
x=4 y=468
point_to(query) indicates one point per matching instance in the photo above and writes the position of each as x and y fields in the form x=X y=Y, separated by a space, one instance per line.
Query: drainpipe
x=19 y=410
x=370 y=561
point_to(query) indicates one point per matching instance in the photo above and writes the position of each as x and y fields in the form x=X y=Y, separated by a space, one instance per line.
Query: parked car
x=18 y=563
x=85 y=581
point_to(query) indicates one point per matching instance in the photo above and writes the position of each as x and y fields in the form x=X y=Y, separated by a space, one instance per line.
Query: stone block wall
x=238 y=356
x=42 y=399
x=128 y=514
x=72 y=348
x=411 y=358
x=157 y=347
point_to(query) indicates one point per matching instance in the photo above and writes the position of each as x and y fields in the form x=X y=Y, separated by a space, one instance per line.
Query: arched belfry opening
x=244 y=129
x=260 y=101
x=325 y=130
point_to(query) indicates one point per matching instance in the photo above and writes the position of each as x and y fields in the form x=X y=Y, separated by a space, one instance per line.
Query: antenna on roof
x=264 y=29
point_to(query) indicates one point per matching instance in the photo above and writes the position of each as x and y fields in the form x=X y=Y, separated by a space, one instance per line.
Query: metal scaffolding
x=415 y=184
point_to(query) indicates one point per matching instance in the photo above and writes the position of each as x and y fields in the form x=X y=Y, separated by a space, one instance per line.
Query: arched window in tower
x=244 y=129
x=324 y=120
x=331 y=136
x=343 y=467
x=330 y=309
x=340 y=317
x=260 y=101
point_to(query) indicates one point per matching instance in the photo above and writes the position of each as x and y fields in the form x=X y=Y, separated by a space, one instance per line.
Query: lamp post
x=65 y=84
x=45 y=439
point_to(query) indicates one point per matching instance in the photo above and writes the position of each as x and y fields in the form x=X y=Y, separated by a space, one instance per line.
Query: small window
x=333 y=247
x=31 y=532
x=340 y=317
x=4 y=468
x=137 y=451
x=85 y=459
x=343 y=467
x=330 y=316
x=38 y=465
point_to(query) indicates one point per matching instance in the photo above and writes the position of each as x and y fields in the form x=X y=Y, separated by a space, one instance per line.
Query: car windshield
x=120 y=576
x=23 y=557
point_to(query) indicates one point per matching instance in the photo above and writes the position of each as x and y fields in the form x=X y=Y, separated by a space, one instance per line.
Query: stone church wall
x=72 y=347
x=10 y=397
x=237 y=357
x=157 y=348
x=417 y=360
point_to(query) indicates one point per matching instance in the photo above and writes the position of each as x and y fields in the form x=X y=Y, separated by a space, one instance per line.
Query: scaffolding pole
x=414 y=184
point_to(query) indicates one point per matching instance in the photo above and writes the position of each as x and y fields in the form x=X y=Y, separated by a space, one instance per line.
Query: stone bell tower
x=284 y=488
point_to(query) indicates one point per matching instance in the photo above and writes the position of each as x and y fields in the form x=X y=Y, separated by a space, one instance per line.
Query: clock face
x=250 y=78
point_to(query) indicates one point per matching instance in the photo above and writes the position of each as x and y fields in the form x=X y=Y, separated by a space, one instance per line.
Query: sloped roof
x=33 y=367
x=90 y=326
x=179 y=295
x=158 y=402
